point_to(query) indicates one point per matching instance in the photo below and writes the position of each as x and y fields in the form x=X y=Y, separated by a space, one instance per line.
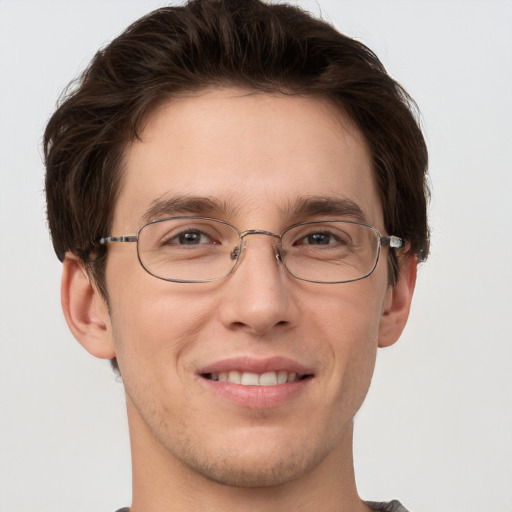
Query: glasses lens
x=188 y=249
x=330 y=251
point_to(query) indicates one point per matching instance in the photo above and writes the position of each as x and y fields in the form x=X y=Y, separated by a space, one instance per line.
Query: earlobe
x=398 y=303
x=85 y=309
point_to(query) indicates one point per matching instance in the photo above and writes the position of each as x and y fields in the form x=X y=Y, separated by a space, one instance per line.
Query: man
x=237 y=193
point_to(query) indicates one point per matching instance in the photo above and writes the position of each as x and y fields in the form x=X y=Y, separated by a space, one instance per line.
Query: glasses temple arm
x=392 y=241
x=110 y=239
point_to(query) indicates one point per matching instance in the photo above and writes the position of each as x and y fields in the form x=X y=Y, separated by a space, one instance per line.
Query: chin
x=259 y=463
x=233 y=471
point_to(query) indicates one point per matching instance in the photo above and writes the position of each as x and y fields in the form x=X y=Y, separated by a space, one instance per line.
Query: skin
x=193 y=449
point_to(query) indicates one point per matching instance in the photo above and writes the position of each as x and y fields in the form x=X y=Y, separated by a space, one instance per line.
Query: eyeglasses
x=199 y=249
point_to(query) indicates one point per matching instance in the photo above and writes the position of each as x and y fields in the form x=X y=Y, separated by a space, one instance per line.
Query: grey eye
x=191 y=238
x=319 y=239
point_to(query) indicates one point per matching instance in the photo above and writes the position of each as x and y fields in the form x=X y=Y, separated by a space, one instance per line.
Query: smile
x=254 y=383
x=255 y=379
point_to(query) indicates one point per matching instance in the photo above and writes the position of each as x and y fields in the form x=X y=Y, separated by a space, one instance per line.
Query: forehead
x=246 y=153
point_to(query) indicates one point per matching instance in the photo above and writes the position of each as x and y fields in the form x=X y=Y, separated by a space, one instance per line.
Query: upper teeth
x=255 y=379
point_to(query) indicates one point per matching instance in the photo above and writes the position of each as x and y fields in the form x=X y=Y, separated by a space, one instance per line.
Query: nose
x=257 y=296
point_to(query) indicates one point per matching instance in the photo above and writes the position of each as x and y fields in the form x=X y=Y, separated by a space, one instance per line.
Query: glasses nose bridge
x=249 y=232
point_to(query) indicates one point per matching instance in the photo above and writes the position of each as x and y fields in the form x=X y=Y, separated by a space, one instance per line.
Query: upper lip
x=256 y=365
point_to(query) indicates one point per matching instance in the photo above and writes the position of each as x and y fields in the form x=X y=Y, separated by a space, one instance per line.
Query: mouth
x=255 y=383
x=244 y=378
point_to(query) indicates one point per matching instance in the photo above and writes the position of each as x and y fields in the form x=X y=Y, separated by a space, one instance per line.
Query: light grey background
x=435 y=430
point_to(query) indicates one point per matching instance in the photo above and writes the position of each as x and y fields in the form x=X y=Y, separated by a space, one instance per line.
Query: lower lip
x=257 y=397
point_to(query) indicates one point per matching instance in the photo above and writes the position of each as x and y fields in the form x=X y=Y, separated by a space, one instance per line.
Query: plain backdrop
x=435 y=430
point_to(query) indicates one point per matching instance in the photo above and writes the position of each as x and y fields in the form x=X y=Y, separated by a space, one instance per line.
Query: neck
x=161 y=483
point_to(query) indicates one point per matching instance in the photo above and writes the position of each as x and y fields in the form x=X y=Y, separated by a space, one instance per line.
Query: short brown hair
x=247 y=43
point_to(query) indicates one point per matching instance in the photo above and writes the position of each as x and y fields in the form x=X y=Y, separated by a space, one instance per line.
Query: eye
x=190 y=237
x=322 y=238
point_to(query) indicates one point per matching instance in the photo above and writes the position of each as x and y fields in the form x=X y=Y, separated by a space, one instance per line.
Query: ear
x=398 y=303
x=85 y=309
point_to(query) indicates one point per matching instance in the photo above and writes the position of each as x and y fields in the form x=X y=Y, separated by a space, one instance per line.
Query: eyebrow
x=185 y=205
x=302 y=208
x=312 y=206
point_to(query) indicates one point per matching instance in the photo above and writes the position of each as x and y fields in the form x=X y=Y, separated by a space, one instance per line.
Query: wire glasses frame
x=191 y=249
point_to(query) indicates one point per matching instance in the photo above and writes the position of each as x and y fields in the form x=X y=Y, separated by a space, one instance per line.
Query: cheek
x=150 y=325
x=147 y=321
x=152 y=337
x=156 y=325
x=350 y=324
x=353 y=314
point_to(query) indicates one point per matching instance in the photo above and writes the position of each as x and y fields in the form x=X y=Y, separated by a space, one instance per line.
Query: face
x=250 y=159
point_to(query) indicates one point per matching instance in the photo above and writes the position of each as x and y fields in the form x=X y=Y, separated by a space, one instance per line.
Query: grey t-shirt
x=392 y=506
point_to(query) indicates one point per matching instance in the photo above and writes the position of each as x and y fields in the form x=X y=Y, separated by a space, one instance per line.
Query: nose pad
x=238 y=253
x=279 y=254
